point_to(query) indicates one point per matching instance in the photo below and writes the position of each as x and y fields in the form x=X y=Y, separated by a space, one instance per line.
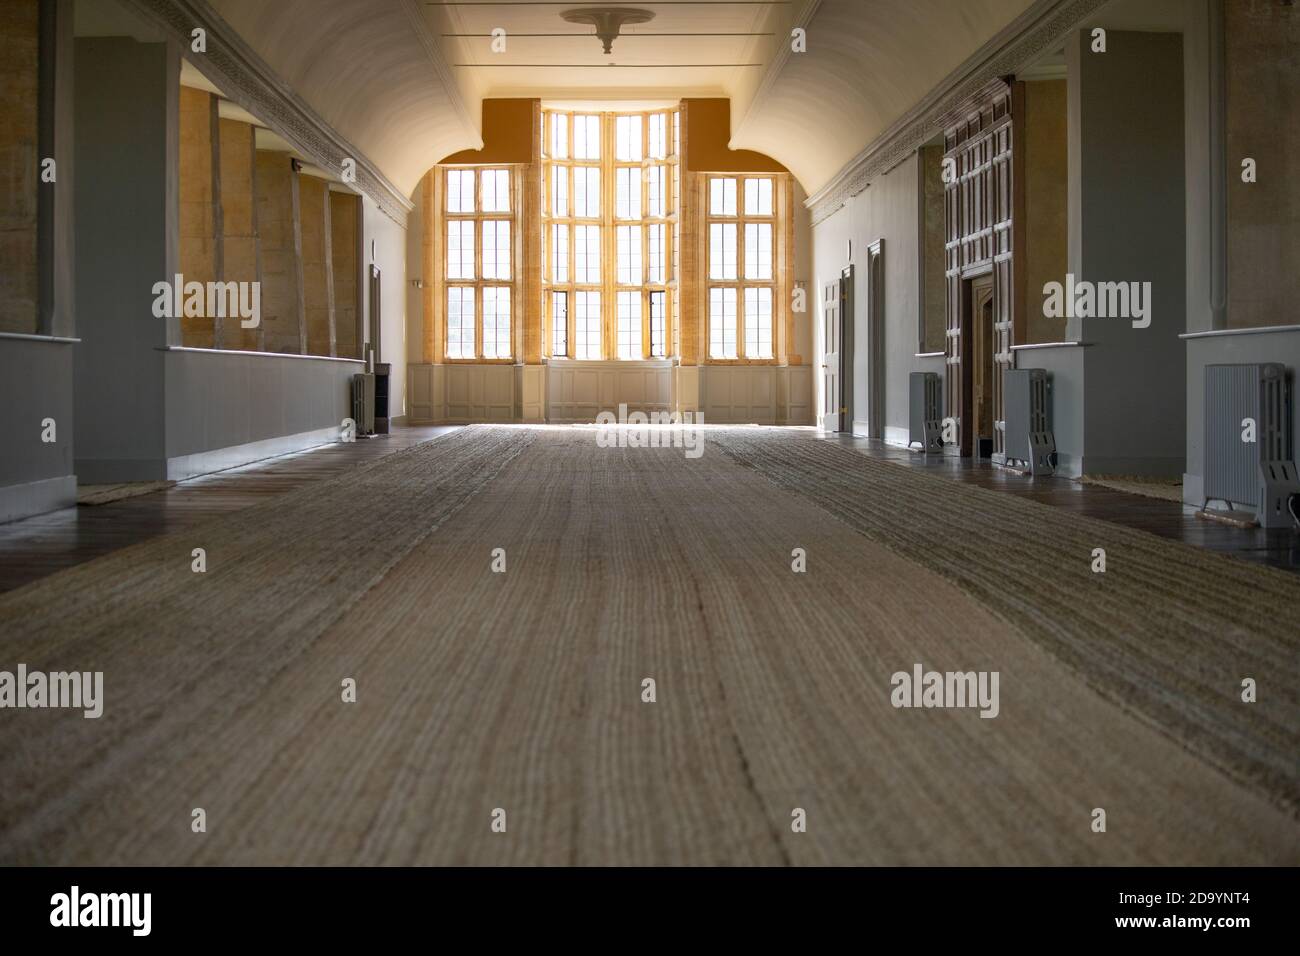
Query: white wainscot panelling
x=426 y=402
x=579 y=391
x=739 y=394
x=796 y=397
x=480 y=393
x=531 y=387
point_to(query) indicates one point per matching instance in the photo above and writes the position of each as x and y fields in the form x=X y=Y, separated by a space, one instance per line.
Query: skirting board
x=1148 y=467
x=37 y=497
x=898 y=436
x=206 y=462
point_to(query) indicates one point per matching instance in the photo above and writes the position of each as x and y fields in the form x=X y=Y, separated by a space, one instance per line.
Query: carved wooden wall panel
x=979 y=200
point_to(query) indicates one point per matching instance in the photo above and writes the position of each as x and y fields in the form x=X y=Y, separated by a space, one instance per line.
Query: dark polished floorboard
x=1279 y=548
x=35 y=547
x=39 y=546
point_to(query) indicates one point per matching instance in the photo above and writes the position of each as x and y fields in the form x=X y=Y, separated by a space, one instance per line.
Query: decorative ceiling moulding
x=246 y=79
x=1040 y=28
x=771 y=76
x=420 y=27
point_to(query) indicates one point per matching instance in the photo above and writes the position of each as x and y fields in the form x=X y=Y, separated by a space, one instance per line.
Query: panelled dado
x=579 y=391
x=565 y=392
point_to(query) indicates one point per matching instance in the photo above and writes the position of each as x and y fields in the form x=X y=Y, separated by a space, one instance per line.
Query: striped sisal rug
x=501 y=595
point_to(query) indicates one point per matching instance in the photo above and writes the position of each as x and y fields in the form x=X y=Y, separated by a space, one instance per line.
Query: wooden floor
x=39 y=546
x=35 y=547
x=1279 y=548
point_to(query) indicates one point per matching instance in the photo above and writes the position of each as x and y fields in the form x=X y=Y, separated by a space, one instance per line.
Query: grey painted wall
x=390 y=255
x=1127 y=169
x=887 y=209
x=126 y=122
x=1064 y=363
x=1206 y=308
x=35 y=384
x=1233 y=348
x=227 y=401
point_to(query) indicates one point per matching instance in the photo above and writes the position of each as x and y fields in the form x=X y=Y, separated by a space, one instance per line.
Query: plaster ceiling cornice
x=1041 y=26
x=249 y=81
x=772 y=72
x=420 y=27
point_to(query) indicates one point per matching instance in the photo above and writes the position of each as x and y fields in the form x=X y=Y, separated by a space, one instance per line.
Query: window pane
x=559 y=190
x=586 y=328
x=586 y=137
x=658 y=135
x=758 y=323
x=722 y=197
x=722 y=323
x=559 y=253
x=496 y=322
x=627 y=138
x=629 y=255
x=586 y=192
x=559 y=136
x=460 y=323
x=629 y=325
x=656 y=253
x=722 y=250
x=496 y=249
x=496 y=190
x=627 y=190
x=460 y=249
x=676 y=145
x=655 y=190
x=658 y=343
x=758 y=197
x=758 y=250
x=560 y=323
x=460 y=190
x=586 y=254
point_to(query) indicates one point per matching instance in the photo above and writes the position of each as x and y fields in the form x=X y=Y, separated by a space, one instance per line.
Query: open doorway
x=982 y=367
x=835 y=414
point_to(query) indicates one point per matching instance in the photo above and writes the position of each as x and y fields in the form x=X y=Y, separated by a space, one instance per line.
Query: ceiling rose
x=608 y=20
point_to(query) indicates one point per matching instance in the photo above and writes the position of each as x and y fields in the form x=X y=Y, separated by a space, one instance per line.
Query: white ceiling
x=400 y=80
x=364 y=66
x=868 y=63
x=707 y=49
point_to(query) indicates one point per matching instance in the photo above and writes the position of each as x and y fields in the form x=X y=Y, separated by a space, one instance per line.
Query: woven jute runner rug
x=501 y=596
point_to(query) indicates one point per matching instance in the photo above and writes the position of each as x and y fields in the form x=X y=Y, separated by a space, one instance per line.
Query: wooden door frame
x=876 y=364
x=830 y=299
x=844 y=403
x=980 y=287
x=966 y=364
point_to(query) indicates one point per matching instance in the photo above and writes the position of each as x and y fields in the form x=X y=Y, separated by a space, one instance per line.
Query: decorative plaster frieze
x=1039 y=29
x=244 y=77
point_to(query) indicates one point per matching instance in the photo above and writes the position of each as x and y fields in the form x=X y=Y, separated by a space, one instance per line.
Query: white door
x=828 y=416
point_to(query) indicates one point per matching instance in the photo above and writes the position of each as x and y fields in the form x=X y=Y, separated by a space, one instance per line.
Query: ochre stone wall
x=344 y=209
x=239 y=243
x=279 y=262
x=19 y=164
x=1046 y=166
x=1262 y=43
x=197 y=212
x=317 y=289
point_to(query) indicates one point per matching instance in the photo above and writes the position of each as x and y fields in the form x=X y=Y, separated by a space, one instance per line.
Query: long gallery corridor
x=500 y=462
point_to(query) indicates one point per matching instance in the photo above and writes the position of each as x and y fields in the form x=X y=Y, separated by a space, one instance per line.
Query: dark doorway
x=977 y=368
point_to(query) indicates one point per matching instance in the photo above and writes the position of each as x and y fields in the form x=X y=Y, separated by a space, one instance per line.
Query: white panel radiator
x=363 y=402
x=1028 y=398
x=925 y=412
x=1249 y=458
